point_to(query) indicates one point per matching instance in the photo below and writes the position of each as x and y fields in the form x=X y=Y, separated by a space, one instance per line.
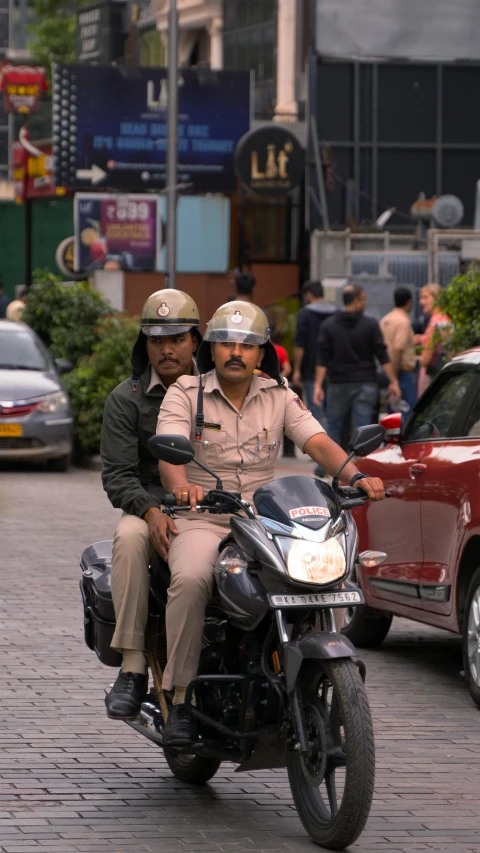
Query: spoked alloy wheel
x=332 y=785
x=471 y=638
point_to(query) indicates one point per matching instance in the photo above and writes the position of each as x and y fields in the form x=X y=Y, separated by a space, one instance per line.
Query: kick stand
x=157 y=678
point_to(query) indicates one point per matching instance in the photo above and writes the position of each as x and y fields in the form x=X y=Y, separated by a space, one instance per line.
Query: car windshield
x=20 y=351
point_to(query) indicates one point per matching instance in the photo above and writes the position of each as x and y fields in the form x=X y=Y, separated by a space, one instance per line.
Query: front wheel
x=471 y=638
x=332 y=785
x=191 y=768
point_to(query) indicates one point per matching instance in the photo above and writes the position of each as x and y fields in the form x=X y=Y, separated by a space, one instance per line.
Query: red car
x=430 y=527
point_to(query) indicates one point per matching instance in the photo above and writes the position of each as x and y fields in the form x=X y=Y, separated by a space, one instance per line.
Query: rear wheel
x=191 y=768
x=332 y=785
x=471 y=638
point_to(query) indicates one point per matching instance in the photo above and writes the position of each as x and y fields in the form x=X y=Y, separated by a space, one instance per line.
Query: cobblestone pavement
x=73 y=781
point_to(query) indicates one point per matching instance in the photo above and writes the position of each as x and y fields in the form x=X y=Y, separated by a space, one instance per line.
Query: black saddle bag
x=96 y=591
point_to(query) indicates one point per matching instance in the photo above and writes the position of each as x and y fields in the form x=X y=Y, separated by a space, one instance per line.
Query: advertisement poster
x=110 y=127
x=22 y=87
x=117 y=232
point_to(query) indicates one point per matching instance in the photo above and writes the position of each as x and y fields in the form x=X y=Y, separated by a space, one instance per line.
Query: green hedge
x=76 y=323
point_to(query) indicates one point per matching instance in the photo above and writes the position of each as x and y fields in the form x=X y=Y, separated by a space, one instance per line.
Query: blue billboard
x=110 y=127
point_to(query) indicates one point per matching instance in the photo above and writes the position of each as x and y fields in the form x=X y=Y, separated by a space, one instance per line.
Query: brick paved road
x=71 y=781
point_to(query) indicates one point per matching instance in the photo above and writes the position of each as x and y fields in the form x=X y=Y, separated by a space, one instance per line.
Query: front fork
x=294 y=698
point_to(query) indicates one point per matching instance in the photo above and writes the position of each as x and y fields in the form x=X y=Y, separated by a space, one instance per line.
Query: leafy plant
x=67 y=317
x=460 y=300
x=53 y=31
x=97 y=374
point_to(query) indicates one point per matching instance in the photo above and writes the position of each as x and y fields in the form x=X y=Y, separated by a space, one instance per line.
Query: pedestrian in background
x=348 y=347
x=398 y=336
x=432 y=356
x=17 y=306
x=244 y=285
x=4 y=300
x=309 y=322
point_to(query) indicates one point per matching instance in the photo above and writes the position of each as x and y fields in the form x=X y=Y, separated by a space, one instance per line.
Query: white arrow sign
x=94 y=175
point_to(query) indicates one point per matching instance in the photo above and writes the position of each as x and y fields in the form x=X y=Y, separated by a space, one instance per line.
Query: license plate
x=318 y=599
x=11 y=430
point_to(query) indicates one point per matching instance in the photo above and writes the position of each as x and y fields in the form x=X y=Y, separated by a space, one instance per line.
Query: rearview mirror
x=175 y=449
x=63 y=365
x=366 y=439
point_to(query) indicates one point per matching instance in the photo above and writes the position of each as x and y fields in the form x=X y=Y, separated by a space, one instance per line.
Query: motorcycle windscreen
x=299 y=500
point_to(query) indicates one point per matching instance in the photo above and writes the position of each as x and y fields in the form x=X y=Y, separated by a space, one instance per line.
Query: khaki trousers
x=132 y=553
x=192 y=557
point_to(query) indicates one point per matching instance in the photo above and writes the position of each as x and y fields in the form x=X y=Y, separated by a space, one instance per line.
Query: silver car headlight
x=314 y=562
x=56 y=402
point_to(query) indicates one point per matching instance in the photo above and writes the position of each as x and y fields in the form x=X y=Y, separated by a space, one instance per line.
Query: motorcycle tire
x=344 y=747
x=191 y=768
x=471 y=638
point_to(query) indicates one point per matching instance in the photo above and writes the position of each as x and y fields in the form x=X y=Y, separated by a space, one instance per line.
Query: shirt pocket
x=210 y=450
x=267 y=445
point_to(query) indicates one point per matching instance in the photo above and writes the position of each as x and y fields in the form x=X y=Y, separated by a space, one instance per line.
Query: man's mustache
x=235 y=361
x=168 y=358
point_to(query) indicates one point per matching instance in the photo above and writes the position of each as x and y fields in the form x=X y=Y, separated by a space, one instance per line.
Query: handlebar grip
x=170 y=500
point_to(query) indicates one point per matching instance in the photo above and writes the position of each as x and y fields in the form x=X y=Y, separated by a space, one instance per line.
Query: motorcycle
x=277 y=685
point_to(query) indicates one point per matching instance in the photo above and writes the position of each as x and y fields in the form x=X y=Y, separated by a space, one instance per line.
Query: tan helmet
x=243 y=323
x=169 y=312
x=238 y=322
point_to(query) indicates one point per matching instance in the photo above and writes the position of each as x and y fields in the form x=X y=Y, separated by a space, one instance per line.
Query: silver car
x=35 y=413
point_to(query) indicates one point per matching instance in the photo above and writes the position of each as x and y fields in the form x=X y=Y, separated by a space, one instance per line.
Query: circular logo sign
x=270 y=161
x=163 y=310
x=237 y=317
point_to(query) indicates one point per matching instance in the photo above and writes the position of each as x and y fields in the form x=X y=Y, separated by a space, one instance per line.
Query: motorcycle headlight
x=56 y=402
x=314 y=562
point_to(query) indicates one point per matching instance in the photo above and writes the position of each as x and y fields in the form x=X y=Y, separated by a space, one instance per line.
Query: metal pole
x=172 y=145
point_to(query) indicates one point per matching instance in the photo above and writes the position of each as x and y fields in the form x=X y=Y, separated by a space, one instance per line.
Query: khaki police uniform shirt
x=241 y=447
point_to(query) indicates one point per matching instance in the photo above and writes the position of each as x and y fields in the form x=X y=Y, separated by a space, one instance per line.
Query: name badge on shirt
x=216 y=427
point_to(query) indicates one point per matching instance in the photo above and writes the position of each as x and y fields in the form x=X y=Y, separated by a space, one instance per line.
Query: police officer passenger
x=164 y=351
x=244 y=419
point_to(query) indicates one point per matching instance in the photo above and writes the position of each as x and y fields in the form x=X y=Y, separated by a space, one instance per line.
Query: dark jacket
x=309 y=323
x=348 y=345
x=129 y=471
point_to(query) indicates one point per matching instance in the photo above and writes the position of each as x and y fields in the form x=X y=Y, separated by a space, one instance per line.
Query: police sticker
x=163 y=310
x=237 y=318
x=309 y=512
x=300 y=404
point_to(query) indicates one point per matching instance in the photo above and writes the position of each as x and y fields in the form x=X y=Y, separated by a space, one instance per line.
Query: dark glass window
x=434 y=417
x=250 y=42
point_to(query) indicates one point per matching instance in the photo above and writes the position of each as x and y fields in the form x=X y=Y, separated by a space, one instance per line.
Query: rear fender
x=319 y=645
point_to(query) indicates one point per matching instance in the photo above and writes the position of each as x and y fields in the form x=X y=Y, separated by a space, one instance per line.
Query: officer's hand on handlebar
x=159 y=525
x=189 y=494
x=373 y=486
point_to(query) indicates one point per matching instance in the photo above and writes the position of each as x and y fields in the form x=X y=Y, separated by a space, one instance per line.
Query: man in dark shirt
x=348 y=345
x=309 y=323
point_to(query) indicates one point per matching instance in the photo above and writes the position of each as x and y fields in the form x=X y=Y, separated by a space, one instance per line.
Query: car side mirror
x=366 y=439
x=63 y=365
x=392 y=424
x=174 y=449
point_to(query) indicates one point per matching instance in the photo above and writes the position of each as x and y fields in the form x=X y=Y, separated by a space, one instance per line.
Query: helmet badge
x=237 y=318
x=163 y=310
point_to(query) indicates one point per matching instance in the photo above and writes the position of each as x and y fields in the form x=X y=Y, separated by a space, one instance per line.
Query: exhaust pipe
x=149 y=722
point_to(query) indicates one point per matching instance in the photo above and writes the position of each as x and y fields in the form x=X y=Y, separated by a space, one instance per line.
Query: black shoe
x=125 y=698
x=180 y=729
